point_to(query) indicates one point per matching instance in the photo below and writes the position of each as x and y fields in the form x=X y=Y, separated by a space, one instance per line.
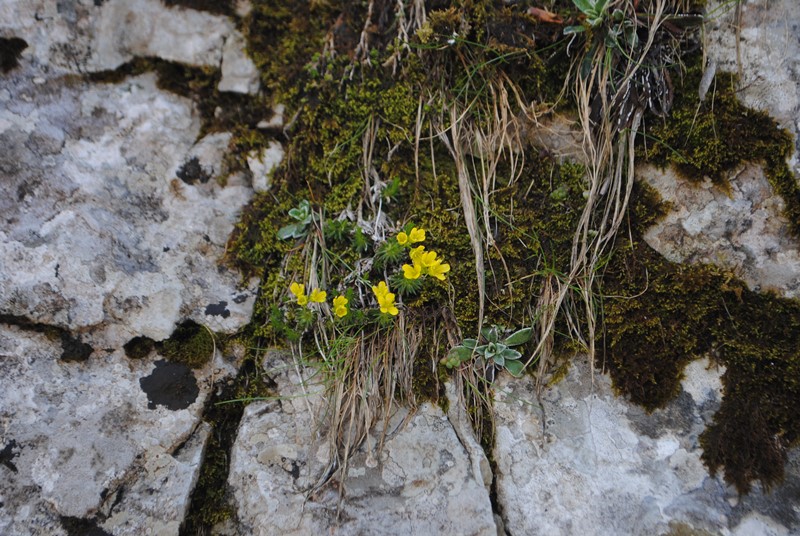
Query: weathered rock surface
x=761 y=45
x=79 y=441
x=112 y=228
x=89 y=36
x=582 y=461
x=99 y=235
x=743 y=230
x=420 y=482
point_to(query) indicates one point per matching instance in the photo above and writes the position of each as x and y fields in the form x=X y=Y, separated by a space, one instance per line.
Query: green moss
x=139 y=347
x=190 y=343
x=210 y=501
x=663 y=315
x=715 y=137
x=219 y=7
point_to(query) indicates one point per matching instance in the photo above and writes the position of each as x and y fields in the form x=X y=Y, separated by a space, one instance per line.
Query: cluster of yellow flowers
x=385 y=299
x=422 y=262
x=318 y=296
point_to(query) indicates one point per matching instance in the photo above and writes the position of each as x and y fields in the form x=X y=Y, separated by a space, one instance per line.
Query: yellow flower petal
x=438 y=270
x=391 y=309
x=402 y=238
x=341 y=311
x=318 y=296
x=380 y=290
x=416 y=235
x=297 y=289
x=412 y=272
x=427 y=259
x=302 y=299
x=340 y=301
x=416 y=253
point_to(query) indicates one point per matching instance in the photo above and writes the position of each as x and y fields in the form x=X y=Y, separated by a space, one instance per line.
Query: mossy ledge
x=658 y=315
x=714 y=137
x=663 y=315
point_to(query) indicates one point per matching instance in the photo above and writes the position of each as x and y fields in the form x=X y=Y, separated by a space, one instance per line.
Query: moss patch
x=714 y=137
x=10 y=52
x=663 y=315
x=190 y=344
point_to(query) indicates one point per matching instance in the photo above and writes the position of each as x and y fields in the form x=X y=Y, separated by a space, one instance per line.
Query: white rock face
x=770 y=56
x=586 y=462
x=239 y=73
x=79 y=437
x=101 y=238
x=99 y=234
x=421 y=482
x=743 y=230
x=263 y=164
x=85 y=35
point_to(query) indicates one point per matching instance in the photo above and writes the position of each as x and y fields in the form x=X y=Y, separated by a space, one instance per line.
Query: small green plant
x=494 y=351
x=595 y=12
x=302 y=215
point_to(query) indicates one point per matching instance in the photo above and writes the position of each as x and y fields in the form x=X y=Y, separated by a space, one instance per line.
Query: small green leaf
x=520 y=337
x=481 y=350
x=288 y=231
x=469 y=343
x=515 y=367
x=498 y=359
x=571 y=30
x=585 y=6
x=461 y=353
x=510 y=353
x=490 y=334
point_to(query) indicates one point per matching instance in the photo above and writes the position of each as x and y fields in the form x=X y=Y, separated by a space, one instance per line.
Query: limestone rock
x=239 y=73
x=87 y=35
x=743 y=230
x=765 y=39
x=263 y=164
x=582 y=461
x=100 y=235
x=421 y=482
x=80 y=441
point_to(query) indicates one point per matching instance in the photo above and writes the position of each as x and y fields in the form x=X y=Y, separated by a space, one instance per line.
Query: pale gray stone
x=262 y=164
x=239 y=73
x=743 y=230
x=81 y=435
x=421 y=481
x=101 y=236
x=764 y=38
x=579 y=460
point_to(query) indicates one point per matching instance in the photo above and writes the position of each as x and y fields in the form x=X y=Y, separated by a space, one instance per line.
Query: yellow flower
x=380 y=290
x=340 y=306
x=428 y=259
x=438 y=269
x=416 y=235
x=402 y=238
x=416 y=253
x=318 y=296
x=385 y=299
x=299 y=292
x=412 y=272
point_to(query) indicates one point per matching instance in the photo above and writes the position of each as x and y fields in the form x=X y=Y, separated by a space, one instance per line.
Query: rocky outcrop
x=413 y=475
x=113 y=230
x=90 y=36
x=579 y=460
